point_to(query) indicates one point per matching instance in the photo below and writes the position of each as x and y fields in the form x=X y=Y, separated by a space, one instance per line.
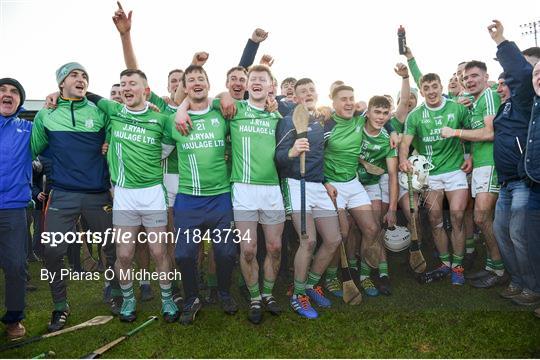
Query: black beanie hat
x=10 y=81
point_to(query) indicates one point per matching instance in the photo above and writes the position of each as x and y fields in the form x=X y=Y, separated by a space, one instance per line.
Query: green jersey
x=135 y=148
x=487 y=104
x=253 y=145
x=201 y=154
x=170 y=163
x=425 y=124
x=375 y=149
x=343 y=139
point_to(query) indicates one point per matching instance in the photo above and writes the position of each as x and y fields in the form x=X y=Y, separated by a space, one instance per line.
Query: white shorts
x=383 y=183
x=454 y=180
x=374 y=192
x=134 y=207
x=351 y=194
x=484 y=180
x=318 y=203
x=261 y=203
x=171 y=185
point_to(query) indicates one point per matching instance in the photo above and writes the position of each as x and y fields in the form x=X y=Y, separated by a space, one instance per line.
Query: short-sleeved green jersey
x=170 y=163
x=253 y=145
x=487 y=104
x=375 y=150
x=343 y=138
x=425 y=124
x=397 y=125
x=135 y=148
x=201 y=154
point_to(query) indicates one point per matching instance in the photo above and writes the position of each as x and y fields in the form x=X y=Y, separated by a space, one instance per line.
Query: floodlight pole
x=530 y=29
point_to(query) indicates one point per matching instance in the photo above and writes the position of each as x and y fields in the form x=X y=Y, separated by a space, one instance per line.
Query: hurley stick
x=416 y=259
x=300 y=121
x=98 y=320
x=98 y=352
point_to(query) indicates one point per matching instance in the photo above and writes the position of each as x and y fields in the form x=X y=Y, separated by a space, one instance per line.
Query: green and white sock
x=457 y=260
x=254 y=292
x=313 y=280
x=365 y=270
x=489 y=264
x=469 y=245
x=127 y=291
x=498 y=267
x=299 y=287
x=267 y=288
x=383 y=269
x=331 y=273
x=166 y=292
x=445 y=259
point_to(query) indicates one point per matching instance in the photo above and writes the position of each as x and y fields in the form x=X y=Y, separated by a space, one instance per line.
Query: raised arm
x=123 y=25
x=405 y=93
x=413 y=66
x=252 y=45
x=518 y=70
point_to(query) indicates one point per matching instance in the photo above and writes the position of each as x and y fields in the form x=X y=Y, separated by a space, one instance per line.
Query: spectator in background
x=510 y=126
x=532 y=168
x=15 y=194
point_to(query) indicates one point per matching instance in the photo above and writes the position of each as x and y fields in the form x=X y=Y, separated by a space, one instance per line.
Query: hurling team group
x=225 y=175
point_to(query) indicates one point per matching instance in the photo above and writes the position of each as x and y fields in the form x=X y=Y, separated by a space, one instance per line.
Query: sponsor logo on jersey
x=153 y=121
x=89 y=123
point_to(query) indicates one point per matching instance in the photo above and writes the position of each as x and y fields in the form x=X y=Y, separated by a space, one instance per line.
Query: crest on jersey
x=89 y=123
x=451 y=117
x=358 y=129
x=215 y=122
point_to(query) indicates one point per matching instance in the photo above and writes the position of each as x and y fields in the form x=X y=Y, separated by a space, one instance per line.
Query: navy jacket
x=284 y=107
x=249 y=53
x=285 y=138
x=15 y=162
x=512 y=120
x=73 y=133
